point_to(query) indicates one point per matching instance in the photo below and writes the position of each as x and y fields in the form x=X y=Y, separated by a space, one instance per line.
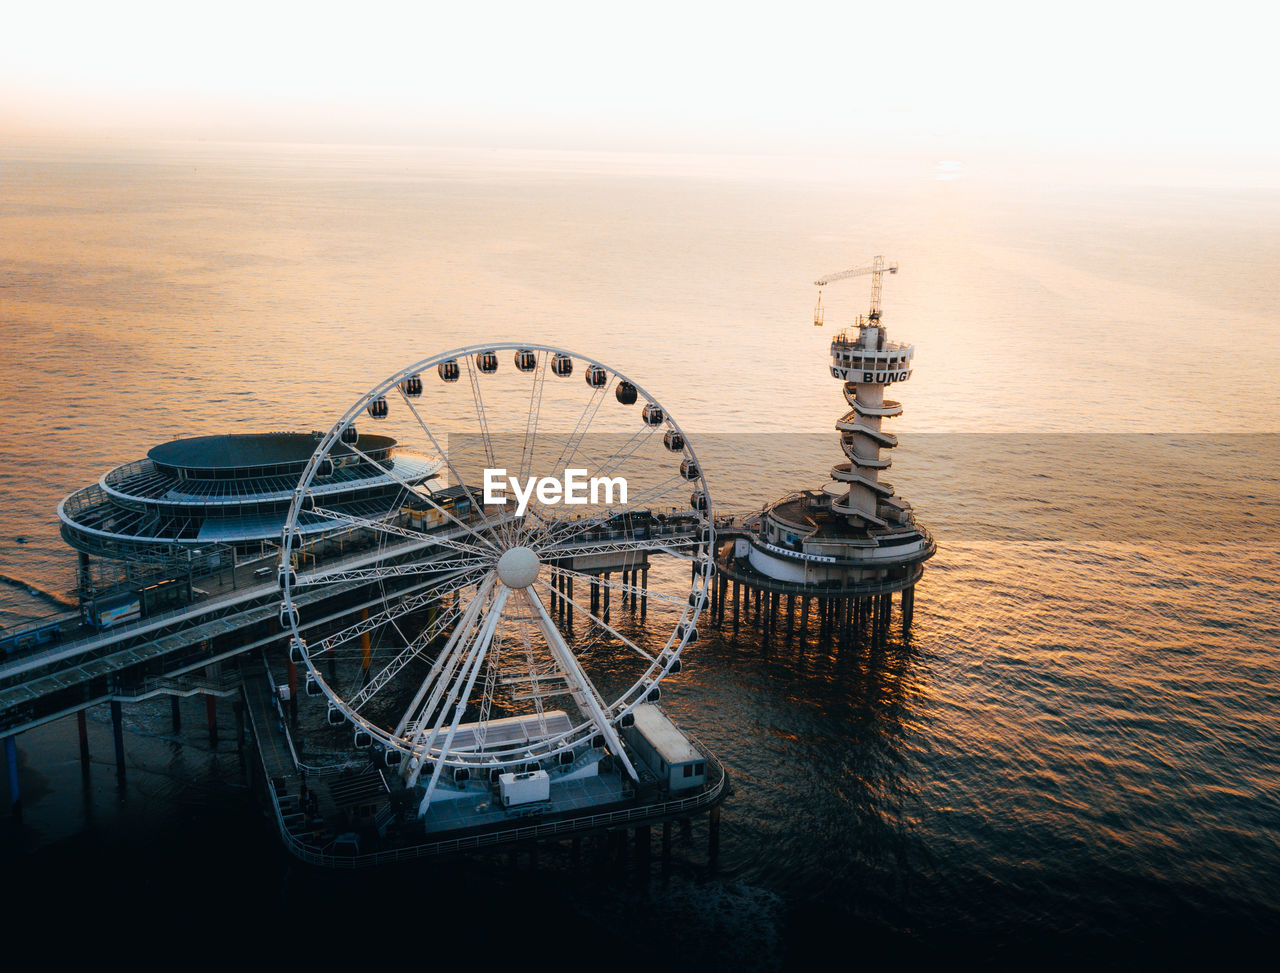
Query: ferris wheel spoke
x=395 y=571
x=534 y=415
x=607 y=468
x=413 y=491
x=627 y=450
x=587 y=696
x=602 y=519
x=477 y=398
x=406 y=532
x=457 y=477
x=580 y=428
x=442 y=669
x=619 y=586
x=410 y=601
x=603 y=625
x=482 y=417
x=474 y=664
x=413 y=650
x=665 y=545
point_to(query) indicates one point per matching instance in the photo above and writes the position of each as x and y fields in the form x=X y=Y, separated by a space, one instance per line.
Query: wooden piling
x=82 y=728
x=117 y=735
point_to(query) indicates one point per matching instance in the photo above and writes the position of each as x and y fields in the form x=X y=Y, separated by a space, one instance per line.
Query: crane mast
x=876 y=269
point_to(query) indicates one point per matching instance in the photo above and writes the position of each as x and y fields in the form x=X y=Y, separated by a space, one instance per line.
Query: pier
x=479 y=726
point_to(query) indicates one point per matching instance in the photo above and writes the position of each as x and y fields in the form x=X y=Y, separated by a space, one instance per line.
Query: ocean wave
x=51 y=597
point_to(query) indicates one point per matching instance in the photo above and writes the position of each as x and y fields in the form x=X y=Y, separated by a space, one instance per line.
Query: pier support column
x=117 y=735
x=366 y=656
x=908 y=609
x=737 y=606
x=211 y=717
x=804 y=613
x=569 y=607
x=604 y=614
x=82 y=728
x=644 y=585
x=175 y=713
x=15 y=792
x=642 y=846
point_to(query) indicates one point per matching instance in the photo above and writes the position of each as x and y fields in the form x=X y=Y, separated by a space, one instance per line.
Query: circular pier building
x=213 y=495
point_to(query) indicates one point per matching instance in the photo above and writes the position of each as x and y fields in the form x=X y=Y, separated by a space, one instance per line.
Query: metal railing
x=19 y=664
x=709 y=796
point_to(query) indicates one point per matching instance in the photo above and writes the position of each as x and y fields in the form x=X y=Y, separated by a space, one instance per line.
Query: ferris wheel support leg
x=447 y=653
x=482 y=647
x=454 y=677
x=614 y=632
x=574 y=674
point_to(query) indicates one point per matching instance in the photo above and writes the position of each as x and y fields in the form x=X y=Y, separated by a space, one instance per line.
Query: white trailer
x=526 y=788
x=665 y=750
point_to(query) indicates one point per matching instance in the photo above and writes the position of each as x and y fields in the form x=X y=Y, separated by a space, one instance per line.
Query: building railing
x=224 y=684
x=851 y=338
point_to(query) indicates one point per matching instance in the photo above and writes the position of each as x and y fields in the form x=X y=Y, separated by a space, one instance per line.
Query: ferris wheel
x=538 y=553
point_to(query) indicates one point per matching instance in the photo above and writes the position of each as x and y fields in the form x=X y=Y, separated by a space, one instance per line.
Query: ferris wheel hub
x=518 y=567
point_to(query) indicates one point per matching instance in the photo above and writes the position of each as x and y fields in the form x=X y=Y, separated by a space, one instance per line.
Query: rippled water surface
x=1078 y=743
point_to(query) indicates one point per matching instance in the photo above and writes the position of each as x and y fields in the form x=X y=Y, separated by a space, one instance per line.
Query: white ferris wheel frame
x=461 y=573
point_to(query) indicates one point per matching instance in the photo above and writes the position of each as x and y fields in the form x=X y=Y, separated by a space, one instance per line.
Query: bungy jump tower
x=849 y=546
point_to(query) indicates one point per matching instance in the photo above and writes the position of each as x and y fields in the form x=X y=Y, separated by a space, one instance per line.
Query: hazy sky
x=1094 y=76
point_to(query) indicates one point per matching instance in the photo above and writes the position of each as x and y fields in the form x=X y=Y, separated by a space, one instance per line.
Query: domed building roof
x=231 y=489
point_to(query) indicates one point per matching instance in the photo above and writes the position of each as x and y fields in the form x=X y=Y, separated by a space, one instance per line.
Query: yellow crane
x=876 y=269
